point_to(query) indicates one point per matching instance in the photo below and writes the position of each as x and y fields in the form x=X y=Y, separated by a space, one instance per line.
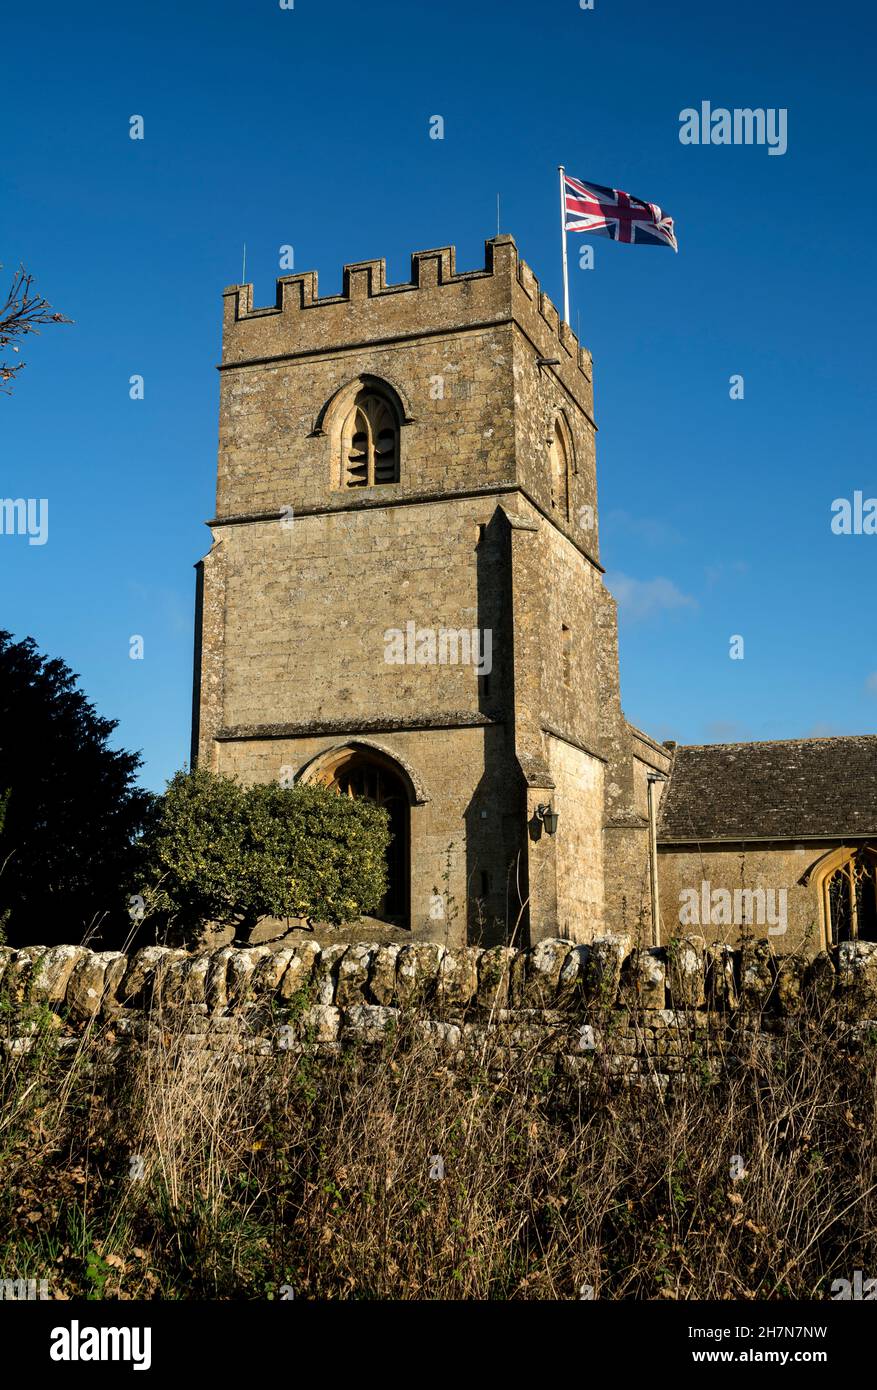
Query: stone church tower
x=404 y=596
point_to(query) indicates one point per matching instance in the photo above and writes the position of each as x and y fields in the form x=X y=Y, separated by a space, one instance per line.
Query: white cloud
x=645 y=598
x=871 y=683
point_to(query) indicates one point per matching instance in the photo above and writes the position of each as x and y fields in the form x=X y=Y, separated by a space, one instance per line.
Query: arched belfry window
x=370 y=441
x=560 y=462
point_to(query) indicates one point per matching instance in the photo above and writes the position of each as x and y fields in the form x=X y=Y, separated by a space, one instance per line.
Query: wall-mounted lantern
x=548 y=816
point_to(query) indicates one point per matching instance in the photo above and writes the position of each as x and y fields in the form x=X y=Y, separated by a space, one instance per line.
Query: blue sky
x=310 y=127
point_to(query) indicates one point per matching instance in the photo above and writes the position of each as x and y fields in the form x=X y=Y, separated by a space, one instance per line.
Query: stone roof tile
x=787 y=790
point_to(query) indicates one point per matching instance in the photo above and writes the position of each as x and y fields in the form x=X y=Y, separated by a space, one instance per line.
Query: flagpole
x=563 y=244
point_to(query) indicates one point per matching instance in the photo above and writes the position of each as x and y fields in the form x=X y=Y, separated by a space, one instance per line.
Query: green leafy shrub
x=227 y=853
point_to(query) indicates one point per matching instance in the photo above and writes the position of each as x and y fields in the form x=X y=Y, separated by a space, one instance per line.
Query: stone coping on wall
x=503 y=984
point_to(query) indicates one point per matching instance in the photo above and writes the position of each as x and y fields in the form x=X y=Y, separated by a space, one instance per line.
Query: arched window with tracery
x=849 y=887
x=560 y=463
x=370 y=441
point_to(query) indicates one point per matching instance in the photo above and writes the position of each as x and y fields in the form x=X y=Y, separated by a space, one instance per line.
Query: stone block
x=353 y=974
x=93 y=982
x=757 y=975
x=144 y=974
x=321 y=1022
x=603 y=969
x=857 y=974
x=21 y=970
x=720 y=963
x=271 y=970
x=300 y=970
x=369 y=1022
x=544 y=964
x=643 y=979
x=685 y=971
x=240 y=973
x=417 y=972
x=494 y=973
x=382 y=974
x=325 y=977
x=458 y=977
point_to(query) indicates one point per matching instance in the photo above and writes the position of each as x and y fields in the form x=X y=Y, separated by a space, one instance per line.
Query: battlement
x=363 y=280
x=437 y=298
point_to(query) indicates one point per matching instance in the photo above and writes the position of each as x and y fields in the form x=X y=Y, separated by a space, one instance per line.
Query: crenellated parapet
x=437 y=298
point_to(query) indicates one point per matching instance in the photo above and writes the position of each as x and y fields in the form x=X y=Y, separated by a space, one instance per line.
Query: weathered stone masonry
x=632 y=1012
x=483 y=517
x=491 y=524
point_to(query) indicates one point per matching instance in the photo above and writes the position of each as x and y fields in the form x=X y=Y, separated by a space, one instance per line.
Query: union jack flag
x=608 y=212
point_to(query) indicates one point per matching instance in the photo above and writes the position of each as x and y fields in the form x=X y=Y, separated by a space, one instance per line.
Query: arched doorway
x=365 y=773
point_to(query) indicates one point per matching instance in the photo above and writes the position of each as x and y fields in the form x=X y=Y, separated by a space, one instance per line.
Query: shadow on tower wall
x=496 y=855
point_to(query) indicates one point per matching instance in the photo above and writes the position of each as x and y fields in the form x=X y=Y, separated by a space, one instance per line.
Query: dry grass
x=150 y=1174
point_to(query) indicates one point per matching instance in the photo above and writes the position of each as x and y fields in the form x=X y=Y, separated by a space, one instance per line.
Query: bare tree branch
x=19 y=315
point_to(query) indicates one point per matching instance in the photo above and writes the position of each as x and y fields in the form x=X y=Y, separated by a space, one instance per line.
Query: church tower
x=404 y=597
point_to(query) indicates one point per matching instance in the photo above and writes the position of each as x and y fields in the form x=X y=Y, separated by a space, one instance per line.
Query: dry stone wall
x=634 y=1012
